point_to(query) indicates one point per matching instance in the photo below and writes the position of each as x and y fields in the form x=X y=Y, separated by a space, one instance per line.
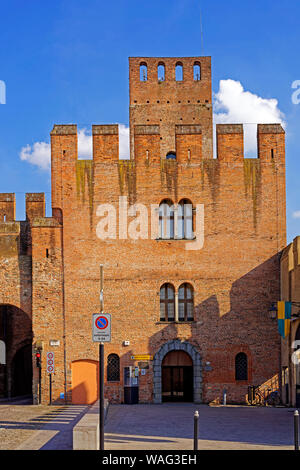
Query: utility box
x=131 y=386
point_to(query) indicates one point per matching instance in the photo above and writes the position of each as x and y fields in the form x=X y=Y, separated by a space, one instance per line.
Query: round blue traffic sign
x=101 y=323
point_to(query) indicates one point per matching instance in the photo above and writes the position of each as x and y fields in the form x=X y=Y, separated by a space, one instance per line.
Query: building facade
x=190 y=246
x=290 y=345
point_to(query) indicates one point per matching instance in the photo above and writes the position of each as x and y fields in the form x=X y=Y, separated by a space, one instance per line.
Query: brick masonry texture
x=49 y=267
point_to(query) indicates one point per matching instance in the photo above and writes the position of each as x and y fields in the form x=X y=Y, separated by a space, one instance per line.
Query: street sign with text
x=101 y=327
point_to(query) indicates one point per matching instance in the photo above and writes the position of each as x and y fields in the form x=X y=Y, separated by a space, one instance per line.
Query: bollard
x=196 y=419
x=224 y=396
x=296 y=429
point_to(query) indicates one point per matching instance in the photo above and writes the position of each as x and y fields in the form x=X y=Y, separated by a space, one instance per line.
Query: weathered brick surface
x=235 y=275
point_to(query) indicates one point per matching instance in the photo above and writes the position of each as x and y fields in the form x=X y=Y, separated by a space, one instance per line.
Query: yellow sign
x=142 y=357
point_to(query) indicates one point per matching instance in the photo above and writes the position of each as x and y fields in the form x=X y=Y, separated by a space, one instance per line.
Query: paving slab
x=170 y=427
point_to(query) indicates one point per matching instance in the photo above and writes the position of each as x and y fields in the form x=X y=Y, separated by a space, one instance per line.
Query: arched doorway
x=84 y=382
x=177 y=377
x=22 y=372
x=16 y=333
x=191 y=350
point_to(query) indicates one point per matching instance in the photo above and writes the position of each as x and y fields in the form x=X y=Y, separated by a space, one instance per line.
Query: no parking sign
x=101 y=327
x=50 y=362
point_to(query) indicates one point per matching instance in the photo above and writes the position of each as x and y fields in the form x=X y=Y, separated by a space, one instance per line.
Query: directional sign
x=101 y=327
x=50 y=362
x=142 y=357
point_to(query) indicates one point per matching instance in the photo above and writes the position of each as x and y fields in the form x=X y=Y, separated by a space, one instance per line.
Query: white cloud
x=296 y=215
x=39 y=153
x=234 y=105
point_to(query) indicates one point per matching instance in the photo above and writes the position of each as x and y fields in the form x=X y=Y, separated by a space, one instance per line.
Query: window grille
x=113 y=368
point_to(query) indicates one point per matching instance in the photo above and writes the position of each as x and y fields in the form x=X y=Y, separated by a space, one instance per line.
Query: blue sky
x=67 y=62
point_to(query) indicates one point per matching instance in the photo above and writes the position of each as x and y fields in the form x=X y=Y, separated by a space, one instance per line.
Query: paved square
x=170 y=427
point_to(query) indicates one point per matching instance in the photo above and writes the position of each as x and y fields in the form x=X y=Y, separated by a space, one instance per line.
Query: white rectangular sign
x=50 y=362
x=101 y=328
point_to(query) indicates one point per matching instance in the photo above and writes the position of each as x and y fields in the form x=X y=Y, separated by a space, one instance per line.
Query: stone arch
x=197 y=368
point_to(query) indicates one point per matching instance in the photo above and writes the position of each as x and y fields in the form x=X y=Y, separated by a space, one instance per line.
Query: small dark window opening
x=47 y=253
x=272 y=153
x=171 y=156
x=113 y=368
x=241 y=367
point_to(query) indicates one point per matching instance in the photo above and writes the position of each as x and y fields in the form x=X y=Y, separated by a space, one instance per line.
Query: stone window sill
x=176 y=322
x=175 y=239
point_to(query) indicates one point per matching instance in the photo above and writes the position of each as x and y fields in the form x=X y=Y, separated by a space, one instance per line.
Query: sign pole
x=40 y=384
x=101 y=401
x=101 y=371
x=50 y=388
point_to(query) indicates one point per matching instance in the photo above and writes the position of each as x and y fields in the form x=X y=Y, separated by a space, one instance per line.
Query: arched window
x=143 y=72
x=185 y=302
x=197 y=71
x=161 y=72
x=113 y=368
x=241 y=366
x=185 y=219
x=166 y=219
x=167 y=303
x=179 y=72
x=171 y=156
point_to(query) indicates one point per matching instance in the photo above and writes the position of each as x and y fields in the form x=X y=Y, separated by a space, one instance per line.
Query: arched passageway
x=177 y=377
x=16 y=334
x=22 y=372
x=194 y=378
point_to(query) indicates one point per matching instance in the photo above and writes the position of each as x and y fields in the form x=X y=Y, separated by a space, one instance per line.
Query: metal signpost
x=50 y=371
x=101 y=334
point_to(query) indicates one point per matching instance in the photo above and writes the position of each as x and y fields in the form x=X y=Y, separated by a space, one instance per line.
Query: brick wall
x=235 y=276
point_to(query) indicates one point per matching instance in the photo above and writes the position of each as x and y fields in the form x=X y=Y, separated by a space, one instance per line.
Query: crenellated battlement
x=35 y=207
x=7 y=207
x=270 y=142
x=188 y=143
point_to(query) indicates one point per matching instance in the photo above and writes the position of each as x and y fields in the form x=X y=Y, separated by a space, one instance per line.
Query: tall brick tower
x=168 y=92
x=196 y=313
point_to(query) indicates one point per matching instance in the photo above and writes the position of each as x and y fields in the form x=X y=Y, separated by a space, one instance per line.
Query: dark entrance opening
x=177 y=377
x=22 y=372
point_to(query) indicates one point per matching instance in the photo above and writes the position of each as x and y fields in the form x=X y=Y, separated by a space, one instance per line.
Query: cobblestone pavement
x=32 y=427
x=170 y=427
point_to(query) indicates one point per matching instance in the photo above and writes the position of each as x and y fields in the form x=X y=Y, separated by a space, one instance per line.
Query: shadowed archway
x=157 y=368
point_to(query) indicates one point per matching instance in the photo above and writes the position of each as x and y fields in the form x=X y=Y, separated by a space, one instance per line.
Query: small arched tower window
x=113 y=368
x=161 y=72
x=166 y=219
x=167 y=302
x=197 y=71
x=185 y=219
x=179 y=72
x=241 y=366
x=143 y=72
x=171 y=156
x=186 y=302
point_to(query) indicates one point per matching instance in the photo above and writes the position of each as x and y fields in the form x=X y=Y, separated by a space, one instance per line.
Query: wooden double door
x=177 y=377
